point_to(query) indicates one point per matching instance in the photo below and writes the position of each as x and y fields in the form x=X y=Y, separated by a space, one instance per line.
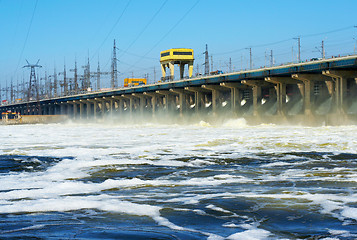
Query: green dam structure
x=312 y=92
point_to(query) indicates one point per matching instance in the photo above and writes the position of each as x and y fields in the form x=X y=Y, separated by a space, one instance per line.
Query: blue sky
x=58 y=31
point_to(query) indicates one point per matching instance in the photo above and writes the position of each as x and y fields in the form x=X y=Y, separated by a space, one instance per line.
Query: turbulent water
x=233 y=181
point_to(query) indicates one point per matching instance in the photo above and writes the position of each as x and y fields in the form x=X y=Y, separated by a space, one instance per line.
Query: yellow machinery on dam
x=180 y=56
x=131 y=82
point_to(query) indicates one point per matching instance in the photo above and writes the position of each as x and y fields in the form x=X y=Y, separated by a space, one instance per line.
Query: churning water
x=233 y=181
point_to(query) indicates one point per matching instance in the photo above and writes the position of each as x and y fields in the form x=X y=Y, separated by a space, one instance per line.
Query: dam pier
x=313 y=92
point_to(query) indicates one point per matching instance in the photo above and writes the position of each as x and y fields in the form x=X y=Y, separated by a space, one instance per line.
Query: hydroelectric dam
x=313 y=92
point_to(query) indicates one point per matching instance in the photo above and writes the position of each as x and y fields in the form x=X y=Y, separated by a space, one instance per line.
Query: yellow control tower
x=180 y=56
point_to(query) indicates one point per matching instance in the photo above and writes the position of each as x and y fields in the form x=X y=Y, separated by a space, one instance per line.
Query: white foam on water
x=338 y=232
x=230 y=225
x=34 y=227
x=100 y=202
x=72 y=203
x=204 y=124
x=196 y=198
x=251 y=234
x=235 y=123
x=334 y=205
x=277 y=164
x=342 y=233
x=218 y=209
x=349 y=212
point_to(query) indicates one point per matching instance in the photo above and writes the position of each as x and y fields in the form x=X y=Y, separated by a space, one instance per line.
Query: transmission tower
x=230 y=64
x=12 y=93
x=6 y=92
x=114 y=83
x=250 y=59
x=86 y=77
x=55 y=86
x=47 y=86
x=299 y=48
x=17 y=89
x=206 y=61
x=97 y=75
x=64 y=84
x=33 y=87
x=74 y=88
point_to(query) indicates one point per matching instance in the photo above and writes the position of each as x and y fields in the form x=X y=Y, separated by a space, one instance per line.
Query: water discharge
x=171 y=181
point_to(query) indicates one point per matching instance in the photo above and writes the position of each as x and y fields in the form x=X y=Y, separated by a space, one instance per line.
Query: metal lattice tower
x=12 y=93
x=86 y=80
x=55 y=86
x=114 y=82
x=64 y=84
x=98 y=77
x=206 y=61
x=33 y=87
x=74 y=87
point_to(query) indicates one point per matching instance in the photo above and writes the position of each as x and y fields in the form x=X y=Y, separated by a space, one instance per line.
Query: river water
x=193 y=181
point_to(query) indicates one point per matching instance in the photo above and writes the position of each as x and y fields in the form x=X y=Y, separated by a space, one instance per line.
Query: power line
x=146 y=26
x=27 y=35
x=328 y=32
x=285 y=40
x=111 y=30
x=109 y=13
x=163 y=37
x=136 y=55
x=254 y=46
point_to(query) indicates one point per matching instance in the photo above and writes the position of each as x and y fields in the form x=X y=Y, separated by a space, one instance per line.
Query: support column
x=74 y=104
x=190 y=69
x=309 y=82
x=62 y=109
x=236 y=96
x=182 y=69
x=81 y=109
x=340 y=79
x=182 y=100
x=95 y=106
x=168 y=97
x=199 y=97
x=103 y=106
x=216 y=96
x=120 y=103
x=89 y=108
x=142 y=102
x=172 y=70
x=163 y=70
x=257 y=93
x=111 y=107
x=131 y=103
x=153 y=101
x=280 y=87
